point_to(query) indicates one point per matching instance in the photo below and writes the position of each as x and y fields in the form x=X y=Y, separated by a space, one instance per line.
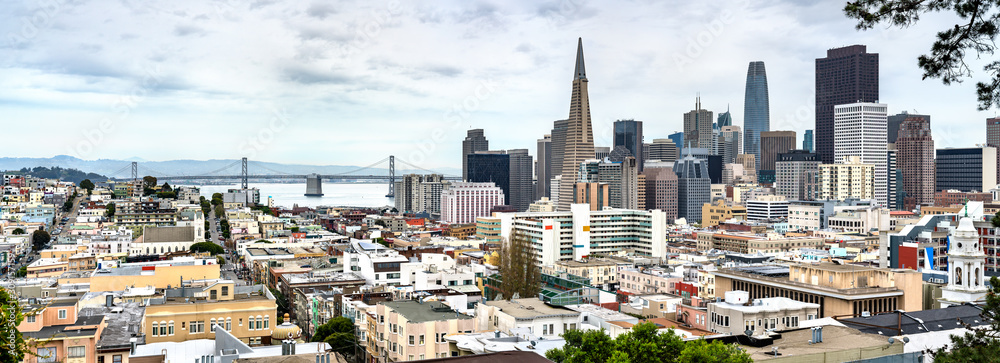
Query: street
x=228 y=269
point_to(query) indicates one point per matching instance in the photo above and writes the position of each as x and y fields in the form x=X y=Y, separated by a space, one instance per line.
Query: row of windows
x=166 y=328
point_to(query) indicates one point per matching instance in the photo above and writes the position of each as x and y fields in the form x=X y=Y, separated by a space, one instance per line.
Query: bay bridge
x=254 y=170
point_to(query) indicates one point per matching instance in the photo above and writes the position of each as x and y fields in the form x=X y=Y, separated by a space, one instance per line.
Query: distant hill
x=122 y=168
x=71 y=175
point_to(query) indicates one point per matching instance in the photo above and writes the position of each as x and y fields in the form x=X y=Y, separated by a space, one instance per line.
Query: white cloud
x=362 y=80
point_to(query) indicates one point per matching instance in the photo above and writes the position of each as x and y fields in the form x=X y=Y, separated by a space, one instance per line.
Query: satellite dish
x=748 y=332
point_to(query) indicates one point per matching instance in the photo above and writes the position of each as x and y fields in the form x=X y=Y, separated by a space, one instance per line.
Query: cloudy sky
x=349 y=83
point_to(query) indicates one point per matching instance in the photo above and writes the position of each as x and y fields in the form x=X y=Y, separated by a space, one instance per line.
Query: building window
x=410 y=340
x=213 y=295
x=267 y=321
x=47 y=355
x=229 y=324
x=77 y=352
x=260 y=322
x=211 y=325
x=196 y=327
x=225 y=291
x=62 y=313
x=117 y=358
x=163 y=328
x=156 y=329
x=170 y=328
x=30 y=318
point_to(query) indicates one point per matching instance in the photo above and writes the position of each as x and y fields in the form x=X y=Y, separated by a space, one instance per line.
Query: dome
x=286 y=330
x=965 y=224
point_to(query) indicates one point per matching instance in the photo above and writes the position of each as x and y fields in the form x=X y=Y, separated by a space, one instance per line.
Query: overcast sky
x=351 y=82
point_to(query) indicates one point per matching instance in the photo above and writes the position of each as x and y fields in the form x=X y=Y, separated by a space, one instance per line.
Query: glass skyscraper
x=807 y=141
x=628 y=133
x=756 y=111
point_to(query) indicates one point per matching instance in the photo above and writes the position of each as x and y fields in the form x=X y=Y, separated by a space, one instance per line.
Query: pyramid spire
x=581 y=72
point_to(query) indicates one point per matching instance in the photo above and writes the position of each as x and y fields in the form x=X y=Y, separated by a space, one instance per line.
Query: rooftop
x=529 y=308
x=416 y=312
x=918 y=321
x=835 y=338
x=770 y=304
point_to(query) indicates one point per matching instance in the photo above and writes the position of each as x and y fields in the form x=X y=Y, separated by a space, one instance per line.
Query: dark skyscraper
x=915 y=157
x=756 y=112
x=807 y=141
x=474 y=141
x=846 y=75
x=521 y=191
x=628 y=133
x=724 y=119
x=490 y=166
x=895 y=121
x=543 y=167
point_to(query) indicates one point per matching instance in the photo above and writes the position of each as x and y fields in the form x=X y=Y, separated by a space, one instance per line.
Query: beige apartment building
x=754 y=243
x=197 y=309
x=713 y=214
x=411 y=330
x=852 y=179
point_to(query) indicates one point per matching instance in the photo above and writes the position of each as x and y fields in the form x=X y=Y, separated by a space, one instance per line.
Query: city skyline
x=316 y=92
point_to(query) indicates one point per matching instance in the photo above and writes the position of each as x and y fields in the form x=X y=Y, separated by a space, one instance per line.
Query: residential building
x=578 y=144
x=463 y=202
x=846 y=75
x=419 y=193
x=542 y=205
x=718 y=212
x=756 y=111
x=373 y=262
x=475 y=140
x=851 y=179
x=793 y=171
x=915 y=158
x=966 y=169
x=947 y=198
x=655 y=280
x=698 y=127
x=814 y=215
x=409 y=330
x=539 y=319
x=856 y=125
x=737 y=314
x=767 y=208
x=560 y=236
x=747 y=243
x=860 y=220
x=693 y=187
x=197 y=308
x=488 y=230
x=602 y=272
x=61 y=334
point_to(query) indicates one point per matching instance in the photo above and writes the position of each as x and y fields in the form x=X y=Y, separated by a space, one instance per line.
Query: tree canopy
x=518 y=272
x=110 y=209
x=87 y=185
x=39 y=239
x=973 y=36
x=17 y=231
x=209 y=247
x=14 y=346
x=339 y=333
x=643 y=344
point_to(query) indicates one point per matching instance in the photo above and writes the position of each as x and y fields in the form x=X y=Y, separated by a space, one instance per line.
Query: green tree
x=295 y=229
x=976 y=345
x=39 y=239
x=643 y=344
x=166 y=195
x=17 y=231
x=518 y=271
x=22 y=272
x=148 y=182
x=974 y=33
x=166 y=187
x=87 y=185
x=14 y=347
x=209 y=247
x=339 y=333
x=110 y=208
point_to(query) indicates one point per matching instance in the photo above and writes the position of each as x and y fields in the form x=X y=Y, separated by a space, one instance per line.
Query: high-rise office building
x=556 y=161
x=579 y=144
x=543 y=172
x=773 y=143
x=860 y=130
x=895 y=121
x=792 y=170
x=622 y=179
x=725 y=119
x=678 y=139
x=993 y=137
x=490 y=167
x=474 y=141
x=807 y=141
x=661 y=189
x=915 y=158
x=730 y=143
x=663 y=150
x=846 y=75
x=601 y=152
x=628 y=133
x=698 y=127
x=756 y=112
x=694 y=187
x=966 y=169
x=749 y=162
x=521 y=188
